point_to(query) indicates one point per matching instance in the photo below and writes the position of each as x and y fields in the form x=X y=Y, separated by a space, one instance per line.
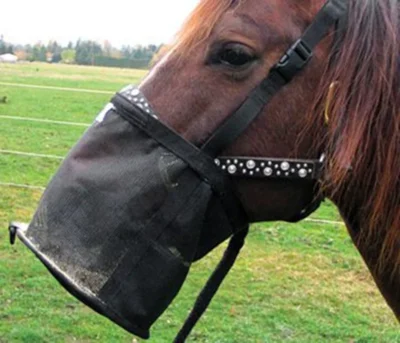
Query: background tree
x=86 y=51
x=2 y=45
x=39 y=52
x=107 y=48
x=68 y=56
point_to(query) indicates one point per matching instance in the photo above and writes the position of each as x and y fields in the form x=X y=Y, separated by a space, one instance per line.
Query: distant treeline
x=84 y=52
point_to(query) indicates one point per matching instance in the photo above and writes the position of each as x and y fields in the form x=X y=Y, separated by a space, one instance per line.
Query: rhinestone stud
x=251 y=164
x=232 y=169
x=303 y=173
x=268 y=171
x=285 y=166
x=217 y=162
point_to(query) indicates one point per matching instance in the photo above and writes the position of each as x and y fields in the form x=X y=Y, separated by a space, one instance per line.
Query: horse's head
x=225 y=50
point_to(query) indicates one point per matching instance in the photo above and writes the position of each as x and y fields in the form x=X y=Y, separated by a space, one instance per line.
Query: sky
x=120 y=22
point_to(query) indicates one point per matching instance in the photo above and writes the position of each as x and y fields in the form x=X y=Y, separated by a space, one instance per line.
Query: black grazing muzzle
x=134 y=204
x=128 y=212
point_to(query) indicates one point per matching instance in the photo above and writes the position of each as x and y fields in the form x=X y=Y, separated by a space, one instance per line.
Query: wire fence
x=45 y=121
x=63 y=89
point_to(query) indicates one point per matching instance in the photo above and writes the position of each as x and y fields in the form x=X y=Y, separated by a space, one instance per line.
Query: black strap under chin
x=292 y=62
x=212 y=285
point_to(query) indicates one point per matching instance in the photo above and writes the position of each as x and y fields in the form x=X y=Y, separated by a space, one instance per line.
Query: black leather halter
x=294 y=60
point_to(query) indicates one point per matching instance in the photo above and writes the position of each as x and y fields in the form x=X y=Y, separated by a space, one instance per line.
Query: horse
x=345 y=104
x=325 y=112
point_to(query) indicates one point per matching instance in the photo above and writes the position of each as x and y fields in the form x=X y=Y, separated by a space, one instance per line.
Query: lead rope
x=214 y=282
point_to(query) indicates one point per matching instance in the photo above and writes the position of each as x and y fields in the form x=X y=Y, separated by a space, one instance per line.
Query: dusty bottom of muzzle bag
x=19 y=230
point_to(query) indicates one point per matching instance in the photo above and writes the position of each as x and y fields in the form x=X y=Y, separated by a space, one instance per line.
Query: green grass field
x=292 y=283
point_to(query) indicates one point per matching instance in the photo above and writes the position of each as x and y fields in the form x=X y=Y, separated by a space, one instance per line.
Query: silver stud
x=236 y=161
x=232 y=169
x=146 y=104
x=298 y=166
x=228 y=161
x=135 y=92
x=251 y=173
x=257 y=170
x=135 y=99
x=251 y=164
x=286 y=174
x=223 y=167
x=303 y=173
x=285 y=166
x=278 y=173
x=270 y=163
x=305 y=165
x=276 y=166
x=293 y=170
x=263 y=164
x=244 y=171
x=310 y=171
x=268 y=171
x=217 y=162
x=241 y=165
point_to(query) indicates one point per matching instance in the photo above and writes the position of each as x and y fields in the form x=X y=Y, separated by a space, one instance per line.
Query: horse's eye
x=234 y=55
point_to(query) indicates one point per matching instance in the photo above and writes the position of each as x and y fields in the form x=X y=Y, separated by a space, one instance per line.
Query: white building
x=8 y=58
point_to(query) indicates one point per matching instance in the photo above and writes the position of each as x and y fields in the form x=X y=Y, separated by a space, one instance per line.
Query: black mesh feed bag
x=131 y=207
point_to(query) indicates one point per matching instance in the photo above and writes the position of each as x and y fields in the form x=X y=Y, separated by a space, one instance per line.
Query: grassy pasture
x=292 y=283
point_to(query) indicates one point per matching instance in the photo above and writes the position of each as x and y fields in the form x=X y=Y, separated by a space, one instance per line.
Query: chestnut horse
x=227 y=47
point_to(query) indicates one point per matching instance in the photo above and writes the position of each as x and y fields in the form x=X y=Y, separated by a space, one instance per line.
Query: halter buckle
x=294 y=60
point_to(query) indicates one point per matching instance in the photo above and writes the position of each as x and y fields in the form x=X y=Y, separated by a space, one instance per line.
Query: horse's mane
x=363 y=138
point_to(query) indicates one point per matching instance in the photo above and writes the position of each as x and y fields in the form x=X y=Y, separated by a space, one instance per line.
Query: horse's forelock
x=199 y=25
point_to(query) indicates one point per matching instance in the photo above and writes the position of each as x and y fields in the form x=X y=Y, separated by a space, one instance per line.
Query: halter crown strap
x=291 y=63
